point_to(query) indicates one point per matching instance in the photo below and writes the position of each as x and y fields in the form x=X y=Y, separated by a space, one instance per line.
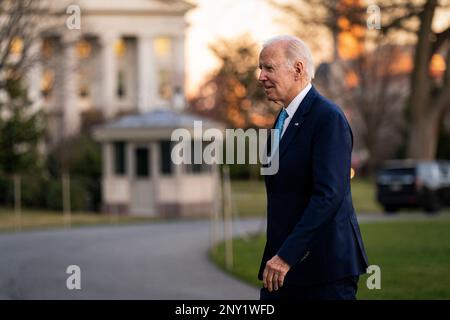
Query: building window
x=194 y=168
x=119 y=158
x=166 y=161
x=48 y=48
x=165 y=84
x=142 y=163
x=47 y=83
x=120 y=84
x=197 y=168
x=84 y=49
x=120 y=48
x=163 y=46
x=83 y=86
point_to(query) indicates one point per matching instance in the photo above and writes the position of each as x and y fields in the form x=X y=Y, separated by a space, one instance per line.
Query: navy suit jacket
x=311 y=222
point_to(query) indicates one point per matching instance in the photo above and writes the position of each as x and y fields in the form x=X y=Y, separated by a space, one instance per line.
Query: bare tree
x=315 y=20
x=20 y=26
x=232 y=93
x=429 y=95
x=372 y=91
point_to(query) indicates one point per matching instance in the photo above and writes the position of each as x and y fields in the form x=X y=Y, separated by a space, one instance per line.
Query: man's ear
x=299 y=69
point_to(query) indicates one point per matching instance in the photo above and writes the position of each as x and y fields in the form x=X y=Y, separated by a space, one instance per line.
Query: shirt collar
x=295 y=103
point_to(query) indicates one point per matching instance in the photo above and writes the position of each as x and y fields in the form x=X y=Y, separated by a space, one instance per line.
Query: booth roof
x=162 y=118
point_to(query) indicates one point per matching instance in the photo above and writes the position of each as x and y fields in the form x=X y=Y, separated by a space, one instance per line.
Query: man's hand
x=274 y=273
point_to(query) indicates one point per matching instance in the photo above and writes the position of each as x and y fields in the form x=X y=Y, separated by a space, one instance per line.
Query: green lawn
x=249 y=198
x=414 y=257
x=364 y=196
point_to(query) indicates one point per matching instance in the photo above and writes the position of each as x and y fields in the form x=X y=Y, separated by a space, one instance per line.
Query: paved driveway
x=155 y=261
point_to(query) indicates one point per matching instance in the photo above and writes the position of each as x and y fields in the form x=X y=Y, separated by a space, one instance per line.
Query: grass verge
x=249 y=197
x=414 y=257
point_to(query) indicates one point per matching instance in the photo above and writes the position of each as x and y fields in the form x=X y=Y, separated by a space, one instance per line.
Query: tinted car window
x=404 y=175
x=399 y=171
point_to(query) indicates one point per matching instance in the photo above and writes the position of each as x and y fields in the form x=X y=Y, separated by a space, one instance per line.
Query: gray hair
x=296 y=50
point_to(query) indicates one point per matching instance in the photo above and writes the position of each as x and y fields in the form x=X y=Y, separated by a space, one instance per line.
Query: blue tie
x=279 y=129
x=279 y=125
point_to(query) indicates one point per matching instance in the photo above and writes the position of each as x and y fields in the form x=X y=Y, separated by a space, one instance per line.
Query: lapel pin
x=296 y=124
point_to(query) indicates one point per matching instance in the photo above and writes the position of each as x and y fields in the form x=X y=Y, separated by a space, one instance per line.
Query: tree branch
x=440 y=40
x=397 y=23
x=443 y=98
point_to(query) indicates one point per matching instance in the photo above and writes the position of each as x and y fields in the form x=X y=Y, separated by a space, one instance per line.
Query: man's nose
x=262 y=76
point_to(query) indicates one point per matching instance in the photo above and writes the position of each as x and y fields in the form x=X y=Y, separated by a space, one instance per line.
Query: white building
x=139 y=176
x=127 y=57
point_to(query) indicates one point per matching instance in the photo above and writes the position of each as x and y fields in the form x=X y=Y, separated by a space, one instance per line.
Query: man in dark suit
x=314 y=248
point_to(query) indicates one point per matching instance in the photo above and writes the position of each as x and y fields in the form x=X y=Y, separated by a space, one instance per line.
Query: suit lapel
x=297 y=120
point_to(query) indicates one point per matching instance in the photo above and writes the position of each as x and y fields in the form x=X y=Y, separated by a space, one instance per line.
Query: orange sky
x=213 y=19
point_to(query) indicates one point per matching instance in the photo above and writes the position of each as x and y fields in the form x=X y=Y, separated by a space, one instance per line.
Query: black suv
x=414 y=183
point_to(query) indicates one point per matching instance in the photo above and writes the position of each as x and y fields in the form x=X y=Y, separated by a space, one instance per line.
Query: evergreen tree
x=21 y=130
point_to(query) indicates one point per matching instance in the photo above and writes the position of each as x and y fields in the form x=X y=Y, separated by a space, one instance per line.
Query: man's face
x=276 y=76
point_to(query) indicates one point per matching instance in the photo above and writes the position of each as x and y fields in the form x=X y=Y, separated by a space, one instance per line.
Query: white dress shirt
x=293 y=106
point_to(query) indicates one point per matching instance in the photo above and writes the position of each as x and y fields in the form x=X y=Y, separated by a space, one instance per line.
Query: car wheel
x=433 y=205
x=390 y=209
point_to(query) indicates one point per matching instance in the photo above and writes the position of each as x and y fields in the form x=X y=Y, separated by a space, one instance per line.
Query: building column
x=108 y=61
x=130 y=155
x=147 y=75
x=35 y=75
x=70 y=112
x=179 y=60
x=107 y=159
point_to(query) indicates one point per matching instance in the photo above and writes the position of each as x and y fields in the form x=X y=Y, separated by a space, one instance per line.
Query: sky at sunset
x=213 y=19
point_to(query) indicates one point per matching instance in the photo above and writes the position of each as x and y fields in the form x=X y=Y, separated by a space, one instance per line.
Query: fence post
x=66 y=200
x=217 y=209
x=18 y=202
x=228 y=227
